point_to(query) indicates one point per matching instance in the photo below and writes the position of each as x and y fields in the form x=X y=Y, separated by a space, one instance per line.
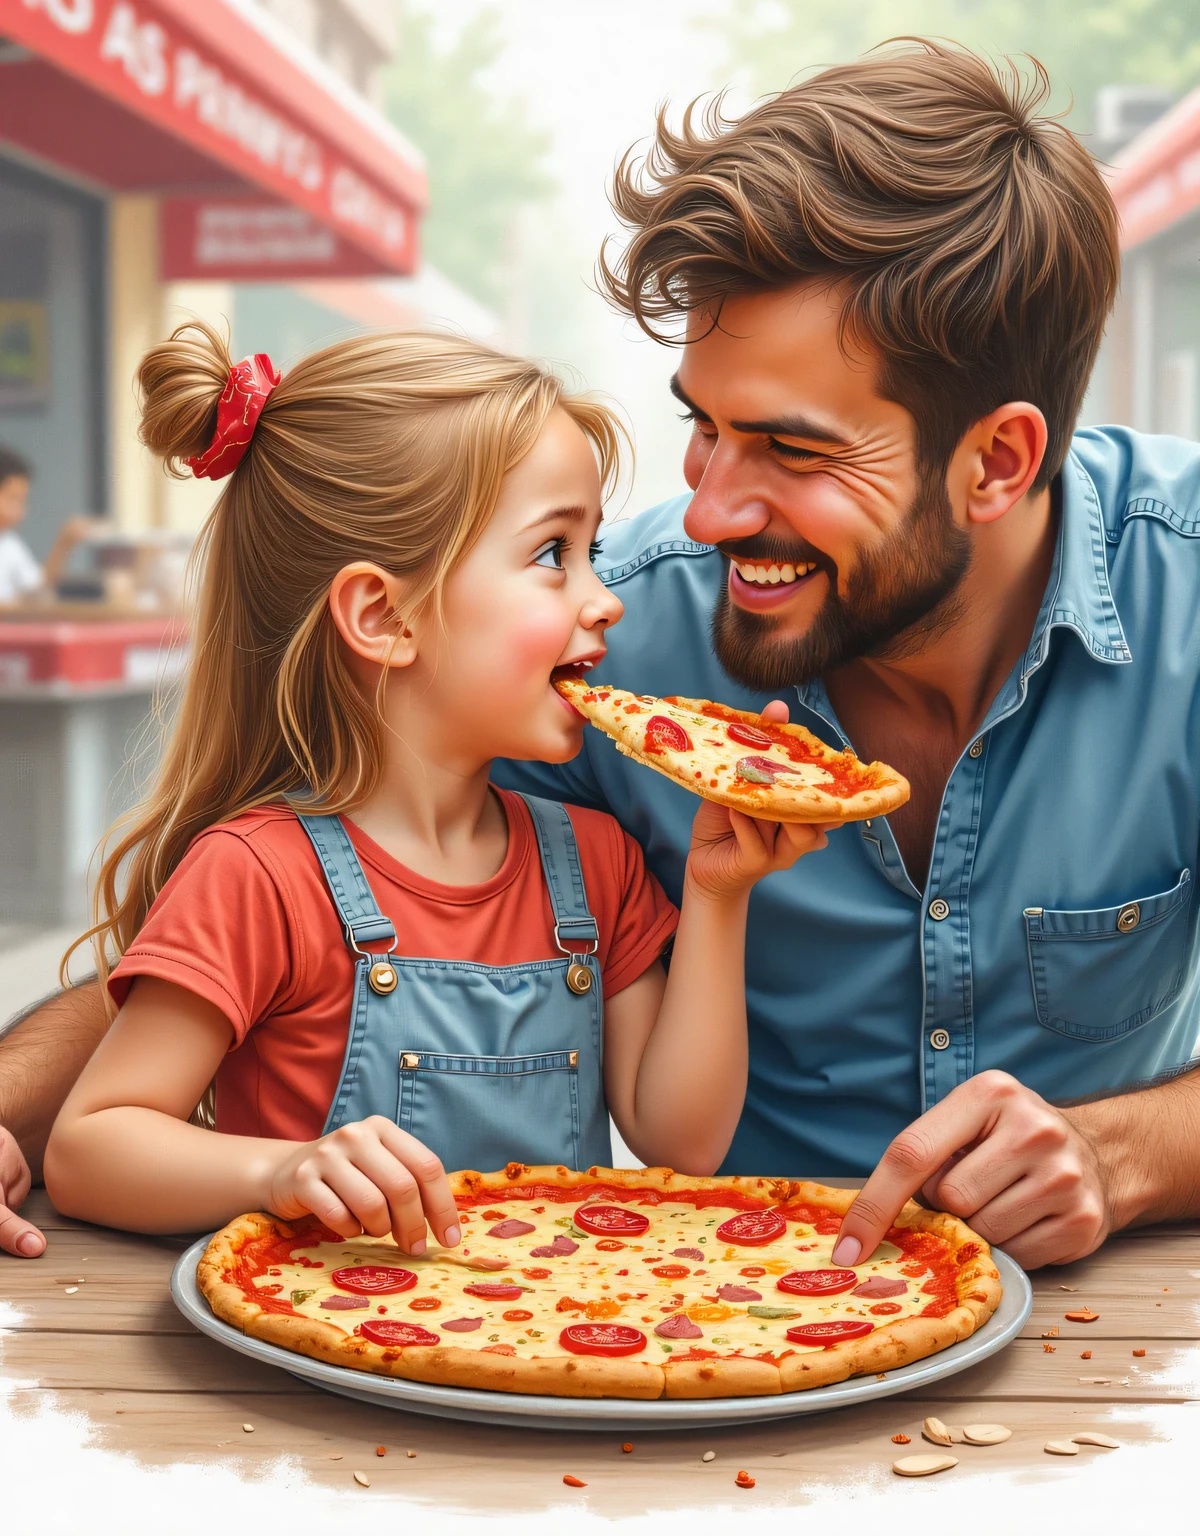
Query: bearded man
x=893 y=281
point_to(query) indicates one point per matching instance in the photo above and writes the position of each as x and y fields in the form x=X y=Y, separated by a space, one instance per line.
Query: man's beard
x=898 y=598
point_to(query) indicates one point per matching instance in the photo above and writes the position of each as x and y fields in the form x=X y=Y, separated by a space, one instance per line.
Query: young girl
x=390 y=966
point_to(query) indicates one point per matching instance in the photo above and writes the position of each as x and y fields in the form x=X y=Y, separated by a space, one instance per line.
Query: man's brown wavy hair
x=971 y=234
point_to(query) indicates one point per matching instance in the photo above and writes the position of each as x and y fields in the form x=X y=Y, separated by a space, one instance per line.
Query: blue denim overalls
x=485 y=1064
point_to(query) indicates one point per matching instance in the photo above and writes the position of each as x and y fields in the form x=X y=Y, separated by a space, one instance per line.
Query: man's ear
x=999 y=459
x=366 y=604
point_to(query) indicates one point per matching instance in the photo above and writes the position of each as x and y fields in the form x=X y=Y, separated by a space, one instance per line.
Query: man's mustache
x=763 y=549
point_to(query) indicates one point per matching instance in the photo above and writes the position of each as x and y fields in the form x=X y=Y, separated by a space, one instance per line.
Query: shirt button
x=976 y=749
x=1129 y=917
x=939 y=909
x=939 y=1039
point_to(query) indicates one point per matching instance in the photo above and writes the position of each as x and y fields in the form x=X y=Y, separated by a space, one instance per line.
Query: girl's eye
x=550 y=555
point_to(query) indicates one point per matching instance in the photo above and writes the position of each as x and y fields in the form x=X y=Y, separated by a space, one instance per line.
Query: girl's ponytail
x=180 y=382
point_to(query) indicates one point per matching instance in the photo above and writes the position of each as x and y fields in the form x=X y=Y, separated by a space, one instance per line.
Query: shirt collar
x=1078 y=594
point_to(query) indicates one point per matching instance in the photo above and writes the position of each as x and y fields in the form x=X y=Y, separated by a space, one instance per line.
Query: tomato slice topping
x=424 y=1304
x=748 y=736
x=670 y=1271
x=817 y=1282
x=602 y=1339
x=373 y=1280
x=494 y=1290
x=609 y=1245
x=611 y=1221
x=752 y=1228
x=830 y=1333
x=386 y=1331
x=519 y=1315
x=885 y=1309
x=663 y=735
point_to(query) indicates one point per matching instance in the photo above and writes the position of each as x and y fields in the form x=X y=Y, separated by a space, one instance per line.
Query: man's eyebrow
x=782 y=426
x=572 y=515
x=682 y=396
x=794 y=426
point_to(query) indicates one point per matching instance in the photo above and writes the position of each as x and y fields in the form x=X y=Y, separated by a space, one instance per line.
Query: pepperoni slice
x=768 y=765
x=817 y=1282
x=663 y=735
x=494 y=1290
x=386 y=1331
x=602 y=1339
x=611 y=1221
x=752 y=1229
x=374 y=1279
x=834 y=1332
x=747 y=735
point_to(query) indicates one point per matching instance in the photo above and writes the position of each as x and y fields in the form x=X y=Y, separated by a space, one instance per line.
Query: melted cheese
x=610 y=1286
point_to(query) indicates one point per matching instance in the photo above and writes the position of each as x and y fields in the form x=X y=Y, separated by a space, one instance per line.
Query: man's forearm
x=1148 y=1147
x=40 y=1058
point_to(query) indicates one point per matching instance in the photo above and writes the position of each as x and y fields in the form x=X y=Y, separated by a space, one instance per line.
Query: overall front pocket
x=1098 y=975
x=485 y=1111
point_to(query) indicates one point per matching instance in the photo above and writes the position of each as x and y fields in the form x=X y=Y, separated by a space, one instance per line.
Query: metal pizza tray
x=577 y=1413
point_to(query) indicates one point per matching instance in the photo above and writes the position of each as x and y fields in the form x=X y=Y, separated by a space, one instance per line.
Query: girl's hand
x=369 y=1177
x=730 y=851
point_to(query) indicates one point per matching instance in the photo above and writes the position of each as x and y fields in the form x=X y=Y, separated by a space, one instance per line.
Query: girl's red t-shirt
x=246 y=921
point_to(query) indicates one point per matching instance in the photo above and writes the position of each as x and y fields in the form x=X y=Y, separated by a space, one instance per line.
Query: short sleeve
x=219 y=928
x=637 y=919
x=19 y=570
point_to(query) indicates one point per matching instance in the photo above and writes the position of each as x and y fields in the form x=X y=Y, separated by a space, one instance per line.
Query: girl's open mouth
x=574 y=672
x=571 y=671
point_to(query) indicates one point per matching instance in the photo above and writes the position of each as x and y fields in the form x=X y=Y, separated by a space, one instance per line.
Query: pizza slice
x=781 y=772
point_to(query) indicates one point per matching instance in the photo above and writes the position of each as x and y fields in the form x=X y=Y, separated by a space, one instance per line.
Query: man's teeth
x=771 y=575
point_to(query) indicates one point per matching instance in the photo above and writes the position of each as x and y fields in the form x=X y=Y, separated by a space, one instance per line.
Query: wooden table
x=101 y=1378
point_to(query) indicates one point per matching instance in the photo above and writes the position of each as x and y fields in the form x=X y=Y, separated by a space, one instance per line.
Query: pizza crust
x=978 y=1293
x=884 y=789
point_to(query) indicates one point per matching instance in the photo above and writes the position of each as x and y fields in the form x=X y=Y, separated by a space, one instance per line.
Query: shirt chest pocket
x=1098 y=975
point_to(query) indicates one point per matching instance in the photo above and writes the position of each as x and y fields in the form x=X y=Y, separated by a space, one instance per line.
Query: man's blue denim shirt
x=1056 y=935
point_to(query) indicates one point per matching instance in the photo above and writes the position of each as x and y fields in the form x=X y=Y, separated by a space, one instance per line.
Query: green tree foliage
x=486 y=159
x=1083 y=43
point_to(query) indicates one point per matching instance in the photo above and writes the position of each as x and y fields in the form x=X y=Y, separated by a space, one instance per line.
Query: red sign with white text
x=246 y=240
x=203 y=72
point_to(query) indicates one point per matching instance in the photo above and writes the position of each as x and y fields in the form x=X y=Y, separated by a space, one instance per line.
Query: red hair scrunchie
x=247 y=391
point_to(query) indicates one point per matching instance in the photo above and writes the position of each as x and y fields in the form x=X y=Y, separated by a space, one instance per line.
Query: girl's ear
x=366 y=604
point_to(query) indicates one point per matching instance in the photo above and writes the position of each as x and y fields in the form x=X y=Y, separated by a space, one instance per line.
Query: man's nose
x=724 y=506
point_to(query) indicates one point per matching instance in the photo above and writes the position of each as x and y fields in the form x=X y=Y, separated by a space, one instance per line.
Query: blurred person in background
x=20 y=573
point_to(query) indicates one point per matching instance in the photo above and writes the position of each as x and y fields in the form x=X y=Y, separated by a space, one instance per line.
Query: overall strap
x=361 y=918
x=573 y=921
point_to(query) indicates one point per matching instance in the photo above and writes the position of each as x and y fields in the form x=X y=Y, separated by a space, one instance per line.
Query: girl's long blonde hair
x=387 y=448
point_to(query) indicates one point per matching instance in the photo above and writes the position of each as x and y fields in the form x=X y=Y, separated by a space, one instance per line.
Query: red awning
x=193 y=96
x=1157 y=179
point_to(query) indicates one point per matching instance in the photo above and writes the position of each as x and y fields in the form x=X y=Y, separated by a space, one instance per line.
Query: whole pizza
x=737 y=759
x=609 y=1283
